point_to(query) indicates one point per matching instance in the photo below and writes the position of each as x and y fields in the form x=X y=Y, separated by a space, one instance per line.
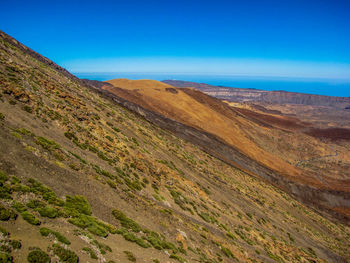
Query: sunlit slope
x=176 y=104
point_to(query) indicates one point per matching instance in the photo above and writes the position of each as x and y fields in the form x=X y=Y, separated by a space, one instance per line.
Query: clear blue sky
x=303 y=38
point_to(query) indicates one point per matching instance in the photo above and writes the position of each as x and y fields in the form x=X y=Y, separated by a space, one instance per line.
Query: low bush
x=91 y=252
x=28 y=109
x=3 y=177
x=15 y=244
x=47 y=194
x=5 y=191
x=47 y=144
x=93 y=225
x=30 y=218
x=227 y=252
x=46 y=232
x=24 y=131
x=4 y=232
x=35 y=204
x=102 y=247
x=5 y=258
x=130 y=256
x=65 y=255
x=77 y=204
x=49 y=211
x=38 y=256
x=7 y=213
x=177 y=257
x=126 y=222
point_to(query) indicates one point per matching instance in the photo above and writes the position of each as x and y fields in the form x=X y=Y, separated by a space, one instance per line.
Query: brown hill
x=265 y=145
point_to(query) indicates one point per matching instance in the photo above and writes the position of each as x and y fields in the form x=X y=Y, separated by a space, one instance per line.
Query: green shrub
x=227 y=252
x=28 y=109
x=49 y=211
x=158 y=242
x=7 y=213
x=78 y=157
x=46 y=231
x=102 y=172
x=15 y=180
x=274 y=256
x=5 y=191
x=65 y=255
x=47 y=144
x=15 y=244
x=92 y=224
x=70 y=136
x=3 y=177
x=230 y=235
x=21 y=188
x=243 y=236
x=91 y=252
x=24 y=131
x=102 y=247
x=35 y=204
x=4 y=232
x=177 y=257
x=133 y=238
x=130 y=256
x=2 y=116
x=109 y=138
x=5 y=258
x=126 y=222
x=17 y=135
x=134 y=185
x=38 y=256
x=30 y=218
x=77 y=204
x=47 y=194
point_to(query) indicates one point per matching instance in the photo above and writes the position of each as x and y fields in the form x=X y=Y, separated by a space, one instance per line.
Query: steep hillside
x=269 y=146
x=85 y=179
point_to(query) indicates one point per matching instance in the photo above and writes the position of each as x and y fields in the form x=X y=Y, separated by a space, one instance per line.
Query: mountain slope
x=269 y=146
x=83 y=177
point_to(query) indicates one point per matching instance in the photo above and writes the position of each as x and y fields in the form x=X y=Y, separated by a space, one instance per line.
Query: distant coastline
x=328 y=87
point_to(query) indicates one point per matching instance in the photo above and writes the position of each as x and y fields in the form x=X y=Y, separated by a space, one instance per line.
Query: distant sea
x=329 y=87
